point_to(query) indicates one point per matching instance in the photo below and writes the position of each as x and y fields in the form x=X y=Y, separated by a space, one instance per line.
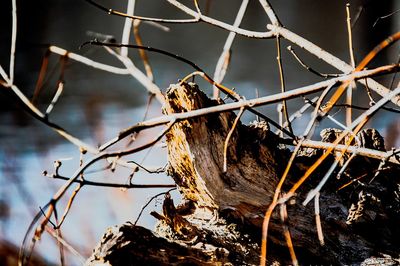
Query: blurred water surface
x=96 y=105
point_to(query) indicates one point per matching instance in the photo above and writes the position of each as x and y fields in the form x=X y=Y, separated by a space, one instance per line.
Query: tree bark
x=220 y=218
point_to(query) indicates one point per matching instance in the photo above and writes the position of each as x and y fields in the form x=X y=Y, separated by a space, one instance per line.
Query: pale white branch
x=220 y=69
x=88 y=62
x=126 y=33
x=270 y=12
x=13 y=40
x=139 y=76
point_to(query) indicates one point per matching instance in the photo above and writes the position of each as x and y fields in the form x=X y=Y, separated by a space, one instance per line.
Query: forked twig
x=51 y=205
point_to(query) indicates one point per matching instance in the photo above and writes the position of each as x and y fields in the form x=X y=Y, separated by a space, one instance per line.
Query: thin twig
x=13 y=41
x=88 y=62
x=226 y=90
x=357 y=16
x=50 y=206
x=286 y=233
x=56 y=96
x=322 y=75
x=142 y=53
x=228 y=137
x=282 y=79
x=65 y=244
x=316 y=113
x=42 y=118
x=349 y=92
x=4 y=76
x=135 y=135
x=321 y=113
x=69 y=204
x=395 y=74
x=318 y=220
x=300 y=111
x=271 y=208
x=25 y=249
x=385 y=17
x=126 y=32
x=393 y=110
x=350 y=36
x=59 y=236
x=345 y=165
x=223 y=61
x=113 y=185
x=149 y=201
x=110 y=11
x=42 y=75
x=279 y=109
x=270 y=12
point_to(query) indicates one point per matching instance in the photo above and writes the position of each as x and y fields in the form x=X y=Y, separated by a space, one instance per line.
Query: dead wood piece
x=134 y=245
x=195 y=153
x=220 y=220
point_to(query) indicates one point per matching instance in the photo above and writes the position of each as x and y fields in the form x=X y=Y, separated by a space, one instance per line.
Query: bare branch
x=89 y=62
x=127 y=27
x=117 y=13
x=270 y=12
x=223 y=61
x=223 y=25
x=13 y=40
x=139 y=76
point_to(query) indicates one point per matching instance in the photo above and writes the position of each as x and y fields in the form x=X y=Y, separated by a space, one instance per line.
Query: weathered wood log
x=220 y=219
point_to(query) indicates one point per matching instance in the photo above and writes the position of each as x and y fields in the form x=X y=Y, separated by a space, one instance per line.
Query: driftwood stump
x=219 y=220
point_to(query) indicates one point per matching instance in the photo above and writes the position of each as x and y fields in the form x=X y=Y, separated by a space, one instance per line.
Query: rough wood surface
x=219 y=220
x=195 y=155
